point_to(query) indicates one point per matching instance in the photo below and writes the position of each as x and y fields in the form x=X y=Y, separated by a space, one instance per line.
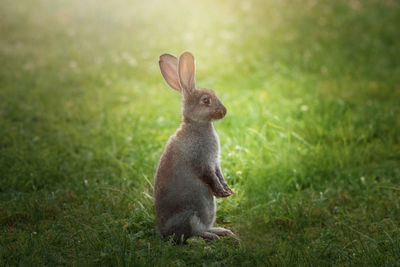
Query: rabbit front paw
x=226 y=188
x=223 y=192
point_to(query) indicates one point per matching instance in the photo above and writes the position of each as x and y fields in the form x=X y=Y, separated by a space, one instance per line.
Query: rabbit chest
x=202 y=147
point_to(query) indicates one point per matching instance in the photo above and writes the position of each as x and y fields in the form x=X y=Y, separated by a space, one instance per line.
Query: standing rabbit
x=188 y=175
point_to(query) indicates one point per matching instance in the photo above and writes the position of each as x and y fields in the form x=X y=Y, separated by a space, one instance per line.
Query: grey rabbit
x=188 y=176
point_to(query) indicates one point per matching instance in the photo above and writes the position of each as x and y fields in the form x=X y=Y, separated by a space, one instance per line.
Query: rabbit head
x=199 y=105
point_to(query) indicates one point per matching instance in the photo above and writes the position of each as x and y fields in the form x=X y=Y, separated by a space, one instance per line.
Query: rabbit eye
x=206 y=101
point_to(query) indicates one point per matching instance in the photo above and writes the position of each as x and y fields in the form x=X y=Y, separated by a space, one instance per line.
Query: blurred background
x=310 y=143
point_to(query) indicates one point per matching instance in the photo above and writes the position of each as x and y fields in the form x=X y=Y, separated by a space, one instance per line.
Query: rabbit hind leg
x=186 y=224
x=178 y=227
x=200 y=229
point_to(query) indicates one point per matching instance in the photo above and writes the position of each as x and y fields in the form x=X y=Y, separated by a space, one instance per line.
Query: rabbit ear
x=186 y=71
x=169 y=70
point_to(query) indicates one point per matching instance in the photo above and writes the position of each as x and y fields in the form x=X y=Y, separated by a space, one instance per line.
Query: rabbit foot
x=221 y=231
x=208 y=236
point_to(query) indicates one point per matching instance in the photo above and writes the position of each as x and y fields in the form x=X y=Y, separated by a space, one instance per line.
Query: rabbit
x=188 y=176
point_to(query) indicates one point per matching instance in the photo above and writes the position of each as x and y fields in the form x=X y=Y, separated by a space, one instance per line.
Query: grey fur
x=188 y=175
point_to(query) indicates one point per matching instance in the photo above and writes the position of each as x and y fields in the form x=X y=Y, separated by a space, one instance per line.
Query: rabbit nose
x=221 y=111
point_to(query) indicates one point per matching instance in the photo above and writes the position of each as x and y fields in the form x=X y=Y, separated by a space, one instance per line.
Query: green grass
x=311 y=142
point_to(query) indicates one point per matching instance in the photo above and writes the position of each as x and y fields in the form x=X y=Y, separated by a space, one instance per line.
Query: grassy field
x=311 y=142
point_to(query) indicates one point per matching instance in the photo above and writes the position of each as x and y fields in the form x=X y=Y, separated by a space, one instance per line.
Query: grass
x=311 y=142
